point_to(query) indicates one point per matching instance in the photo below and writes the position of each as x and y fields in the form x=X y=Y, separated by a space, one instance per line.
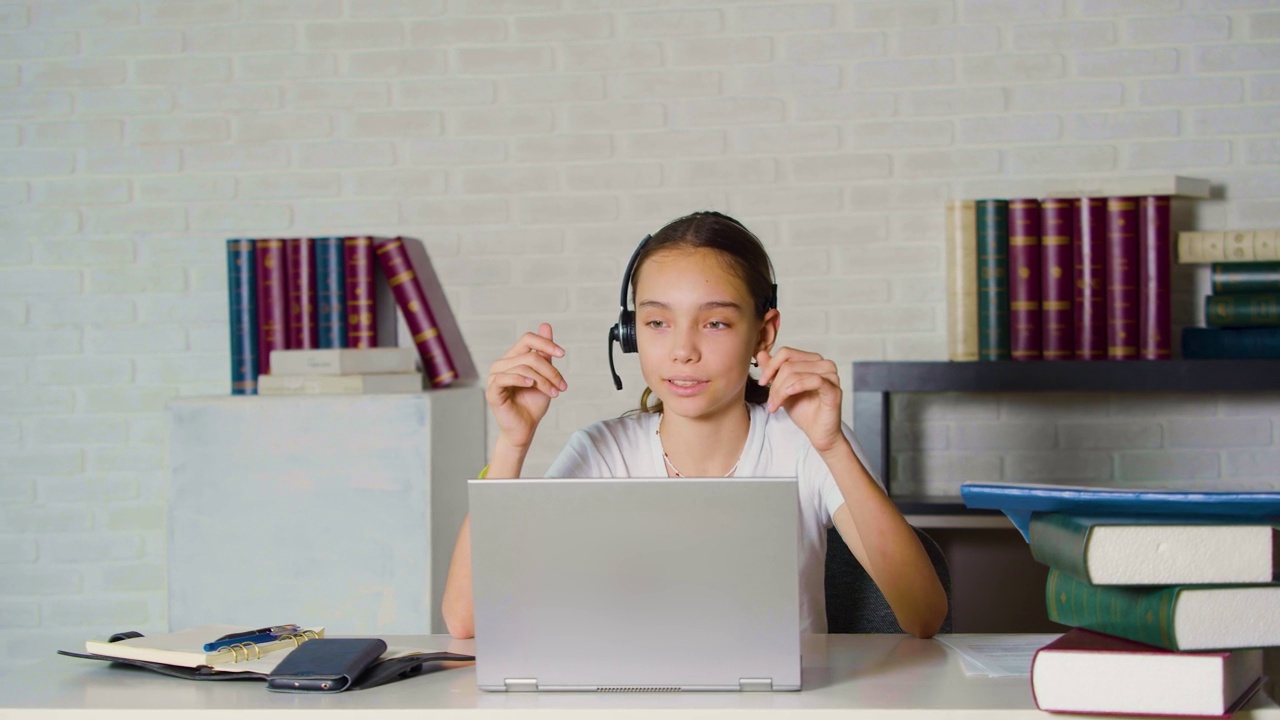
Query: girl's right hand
x=521 y=384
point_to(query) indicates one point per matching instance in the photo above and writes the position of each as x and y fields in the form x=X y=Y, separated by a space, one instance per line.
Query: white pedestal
x=323 y=510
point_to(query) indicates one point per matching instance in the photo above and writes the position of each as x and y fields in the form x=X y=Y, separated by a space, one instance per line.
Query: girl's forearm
x=895 y=559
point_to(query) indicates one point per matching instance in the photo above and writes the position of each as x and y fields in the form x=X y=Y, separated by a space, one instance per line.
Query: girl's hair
x=744 y=256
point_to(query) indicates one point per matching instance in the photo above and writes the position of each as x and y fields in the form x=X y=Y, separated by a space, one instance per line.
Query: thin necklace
x=672 y=465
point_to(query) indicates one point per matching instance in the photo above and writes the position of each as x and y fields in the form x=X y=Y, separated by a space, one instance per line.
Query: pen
x=250 y=636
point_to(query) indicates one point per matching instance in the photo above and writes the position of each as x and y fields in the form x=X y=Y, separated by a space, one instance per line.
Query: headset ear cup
x=627 y=331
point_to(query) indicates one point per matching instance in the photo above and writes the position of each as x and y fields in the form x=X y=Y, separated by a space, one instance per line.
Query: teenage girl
x=704 y=313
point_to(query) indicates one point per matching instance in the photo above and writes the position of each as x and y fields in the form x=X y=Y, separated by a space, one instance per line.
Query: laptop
x=636 y=585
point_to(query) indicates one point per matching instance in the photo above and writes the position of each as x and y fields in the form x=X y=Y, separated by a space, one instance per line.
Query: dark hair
x=744 y=256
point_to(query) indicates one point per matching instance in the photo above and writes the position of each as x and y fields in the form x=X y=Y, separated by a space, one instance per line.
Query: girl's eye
x=717 y=325
x=654 y=323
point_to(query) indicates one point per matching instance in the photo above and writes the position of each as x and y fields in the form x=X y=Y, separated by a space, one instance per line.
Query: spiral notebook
x=185 y=649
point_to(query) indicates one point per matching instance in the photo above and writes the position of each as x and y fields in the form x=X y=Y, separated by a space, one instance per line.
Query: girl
x=704 y=313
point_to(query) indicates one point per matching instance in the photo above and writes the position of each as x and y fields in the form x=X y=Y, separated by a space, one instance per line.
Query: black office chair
x=855 y=604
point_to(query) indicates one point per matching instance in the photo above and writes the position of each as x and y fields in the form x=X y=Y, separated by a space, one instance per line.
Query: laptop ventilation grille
x=623 y=689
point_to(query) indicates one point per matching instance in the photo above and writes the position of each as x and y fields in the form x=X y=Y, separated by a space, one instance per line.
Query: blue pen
x=266 y=634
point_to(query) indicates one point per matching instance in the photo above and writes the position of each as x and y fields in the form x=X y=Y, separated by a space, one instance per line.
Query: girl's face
x=696 y=331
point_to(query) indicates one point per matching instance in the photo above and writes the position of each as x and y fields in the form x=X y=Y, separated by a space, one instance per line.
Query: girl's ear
x=768 y=331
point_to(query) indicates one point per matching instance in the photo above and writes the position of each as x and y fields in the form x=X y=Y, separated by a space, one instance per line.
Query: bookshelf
x=874 y=383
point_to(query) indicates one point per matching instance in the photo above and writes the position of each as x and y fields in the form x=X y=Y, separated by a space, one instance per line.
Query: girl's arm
x=886 y=546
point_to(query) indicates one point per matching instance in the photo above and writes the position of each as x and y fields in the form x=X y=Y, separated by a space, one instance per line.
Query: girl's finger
x=537 y=362
x=533 y=342
x=536 y=380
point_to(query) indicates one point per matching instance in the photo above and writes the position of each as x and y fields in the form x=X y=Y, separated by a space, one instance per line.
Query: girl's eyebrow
x=709 y=305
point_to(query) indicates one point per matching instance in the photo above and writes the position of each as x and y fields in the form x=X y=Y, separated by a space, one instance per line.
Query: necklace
x=672 y=465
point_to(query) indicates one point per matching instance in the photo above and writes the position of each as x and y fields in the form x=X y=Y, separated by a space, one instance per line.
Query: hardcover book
x=1024 y=280
x=410 y=297
x=1089 y=672
x=243 y=316
x=1240 y=246
x=1155 y=324
x=1151 y=550
x=962 y=281
x=273 y=312
x=345 y=361
x=1057 y=315
x=300 y=287
x=1251 y=310
x=1175 y=617
x=992 y=218
x=331 y=303
x=1089 y=250
x=1219 y=343
x=1243 y=278
x=1122 y=278
x=339 y=384
x=362 y=326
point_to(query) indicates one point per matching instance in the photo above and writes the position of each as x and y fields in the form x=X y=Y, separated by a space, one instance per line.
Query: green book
x=993 y=279
x=1150 y=550
x=1179 y=617
x=1236 y=278
x=1248 y=310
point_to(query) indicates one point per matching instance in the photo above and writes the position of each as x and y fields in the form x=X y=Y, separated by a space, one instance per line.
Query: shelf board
x=1068 y=376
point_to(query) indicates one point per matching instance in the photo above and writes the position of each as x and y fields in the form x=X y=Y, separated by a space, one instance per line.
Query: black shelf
x=874 y=383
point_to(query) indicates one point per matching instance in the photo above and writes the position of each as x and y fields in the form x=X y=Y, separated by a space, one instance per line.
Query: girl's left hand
x=808 y=386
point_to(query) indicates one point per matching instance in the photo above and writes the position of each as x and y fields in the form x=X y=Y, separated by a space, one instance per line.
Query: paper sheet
x=997 y=655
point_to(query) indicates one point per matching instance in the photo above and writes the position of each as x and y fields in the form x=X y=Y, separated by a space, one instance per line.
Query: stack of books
x=1242 y=312
x=1170 y=594
x=347 y=371
x=1069 y=274
x=320 y=293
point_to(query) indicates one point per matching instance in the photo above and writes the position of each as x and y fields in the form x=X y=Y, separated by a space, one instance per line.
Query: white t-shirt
x=776 y=447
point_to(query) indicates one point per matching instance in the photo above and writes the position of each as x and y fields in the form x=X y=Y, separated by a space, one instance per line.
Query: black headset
x=624 y=332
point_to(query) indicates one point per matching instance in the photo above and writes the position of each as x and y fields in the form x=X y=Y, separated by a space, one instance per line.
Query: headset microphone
x=624 y=332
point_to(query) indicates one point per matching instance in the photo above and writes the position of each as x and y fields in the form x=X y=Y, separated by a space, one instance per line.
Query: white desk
x=873 y=676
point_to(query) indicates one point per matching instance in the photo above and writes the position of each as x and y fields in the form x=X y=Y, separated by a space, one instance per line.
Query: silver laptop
x=637 y=584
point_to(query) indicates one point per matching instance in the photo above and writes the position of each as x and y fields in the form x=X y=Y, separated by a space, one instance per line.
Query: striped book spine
x=241 y=298
x=331 y=304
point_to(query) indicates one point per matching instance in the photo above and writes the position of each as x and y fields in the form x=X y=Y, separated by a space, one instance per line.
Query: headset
x=624 y=332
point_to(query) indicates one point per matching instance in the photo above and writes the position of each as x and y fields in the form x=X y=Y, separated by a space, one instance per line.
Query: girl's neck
x=705 y=447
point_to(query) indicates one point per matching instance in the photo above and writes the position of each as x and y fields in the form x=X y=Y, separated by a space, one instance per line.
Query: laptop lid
x=636 y=584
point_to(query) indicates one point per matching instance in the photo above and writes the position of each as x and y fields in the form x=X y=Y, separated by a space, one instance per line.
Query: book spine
x=407 y=289
x=1155 y=322
x=1122 y=278
x=362 y=330
x=301 y=288
x=1024 y=280
x=1089 y=252
x=962 y=281
x=273 y=315
x=992 y=217
x=331 y=308
x=1059 y=540
x=1142 y=614
x=1254 y=310
x=1241 y=278
x=1217 y=343
x=242 y=302
x=1057 y=314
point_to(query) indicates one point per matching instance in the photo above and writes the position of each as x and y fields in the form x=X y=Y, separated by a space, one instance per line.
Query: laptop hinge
x=521 y=684
x=755 y=684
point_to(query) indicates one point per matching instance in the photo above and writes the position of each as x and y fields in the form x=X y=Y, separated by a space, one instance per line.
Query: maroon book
x=273 y=309
x=1058 y=332
x=362 y=328
x=1122 y=278
x=406 y=286
x=300 y=286
x=1090 y=279
x=1155 y=324
x=1024 y=280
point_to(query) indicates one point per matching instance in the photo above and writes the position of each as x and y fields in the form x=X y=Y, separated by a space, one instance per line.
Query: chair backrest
x=855 y=604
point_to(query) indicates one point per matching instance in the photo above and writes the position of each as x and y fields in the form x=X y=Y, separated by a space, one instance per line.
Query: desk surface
x=875 y=675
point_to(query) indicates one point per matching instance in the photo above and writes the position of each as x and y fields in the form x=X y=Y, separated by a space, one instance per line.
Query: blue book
x=331 y=304
x=1018 y=501
x=1220 y=343
x=243 y=306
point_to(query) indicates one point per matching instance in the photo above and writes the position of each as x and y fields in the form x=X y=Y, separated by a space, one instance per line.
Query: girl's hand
x=521 y=384
x=808 y=386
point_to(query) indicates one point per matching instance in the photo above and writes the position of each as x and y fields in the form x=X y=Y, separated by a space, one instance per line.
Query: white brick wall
x=530 y=144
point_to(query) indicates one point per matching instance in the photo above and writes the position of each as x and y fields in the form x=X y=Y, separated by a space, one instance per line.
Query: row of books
x=321 y=293
x=1168 y=615
x=1242 y=311
x=1059 y=278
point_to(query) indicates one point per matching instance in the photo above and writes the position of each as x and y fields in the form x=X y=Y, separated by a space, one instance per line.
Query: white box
x=323 y=510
